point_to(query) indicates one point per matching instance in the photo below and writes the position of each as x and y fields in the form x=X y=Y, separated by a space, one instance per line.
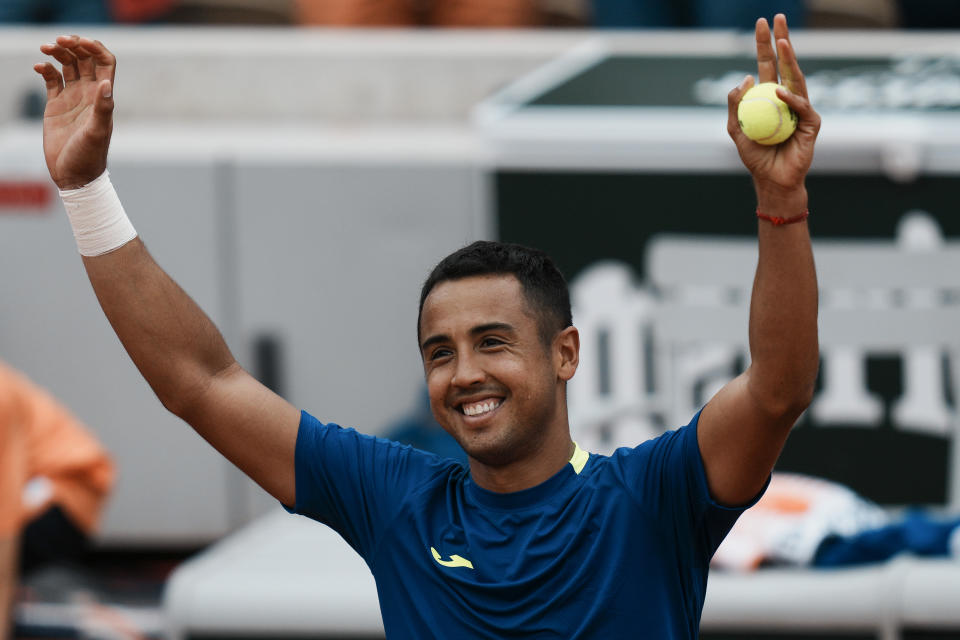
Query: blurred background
x=299 y=166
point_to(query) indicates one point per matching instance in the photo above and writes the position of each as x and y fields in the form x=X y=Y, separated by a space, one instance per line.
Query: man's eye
x=437 y=354
x=491 y=342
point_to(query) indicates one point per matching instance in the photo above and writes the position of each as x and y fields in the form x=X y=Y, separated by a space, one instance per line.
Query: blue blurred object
x=419 y=429
x=917 y=533
x=738 y=14
x=635 y=13
x=58 y=11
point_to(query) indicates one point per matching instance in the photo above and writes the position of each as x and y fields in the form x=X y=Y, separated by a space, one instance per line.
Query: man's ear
x=566 y=349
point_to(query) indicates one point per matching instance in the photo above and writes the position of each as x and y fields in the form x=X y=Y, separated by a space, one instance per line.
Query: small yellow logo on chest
x=454 y=561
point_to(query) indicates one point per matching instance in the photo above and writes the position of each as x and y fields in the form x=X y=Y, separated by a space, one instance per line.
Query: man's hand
x=778 y=170
x=78 y=120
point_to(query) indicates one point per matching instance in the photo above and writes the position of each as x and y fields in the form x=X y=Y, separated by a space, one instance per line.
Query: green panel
x=659 y=81
x=580 y=217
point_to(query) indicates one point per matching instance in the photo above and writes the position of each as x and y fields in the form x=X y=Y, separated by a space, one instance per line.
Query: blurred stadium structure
x=300 y=183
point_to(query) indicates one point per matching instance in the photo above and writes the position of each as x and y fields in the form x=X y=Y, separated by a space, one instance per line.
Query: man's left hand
x=777 y=169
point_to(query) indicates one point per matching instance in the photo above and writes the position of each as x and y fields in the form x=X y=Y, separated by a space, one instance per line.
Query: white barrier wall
x=278 y=75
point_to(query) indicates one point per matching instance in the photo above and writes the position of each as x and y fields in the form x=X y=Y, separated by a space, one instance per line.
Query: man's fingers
x=106 y=62
x=85 y=62
x=105 y=95
x=98 y=51
x=733 y=103
x=51 y=77
x=766 y=57
x=65 y=58
x=782 y=61
x=103 y=110
x=808 y=118
x=790 y=74
x=780 y=30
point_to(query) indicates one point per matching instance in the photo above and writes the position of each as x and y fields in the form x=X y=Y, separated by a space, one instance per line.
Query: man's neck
x=526 y=472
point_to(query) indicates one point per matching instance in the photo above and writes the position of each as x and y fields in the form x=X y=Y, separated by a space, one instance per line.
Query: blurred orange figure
x=140 y=10
x=412 y=13
x=54 y=479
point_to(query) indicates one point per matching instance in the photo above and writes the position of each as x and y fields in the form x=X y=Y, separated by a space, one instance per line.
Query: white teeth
x=480 y=407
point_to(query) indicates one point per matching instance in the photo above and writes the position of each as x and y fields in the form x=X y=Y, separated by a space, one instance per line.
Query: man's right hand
x=78 y=119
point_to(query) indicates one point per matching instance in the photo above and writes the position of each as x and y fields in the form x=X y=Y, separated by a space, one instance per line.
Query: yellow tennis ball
x=764 y=117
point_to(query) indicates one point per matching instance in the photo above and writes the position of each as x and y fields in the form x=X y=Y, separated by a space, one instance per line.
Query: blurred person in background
x=414 y=13
x=83 y=11
x=54 y=480
x=731 y=14
x=57 y=11
x=137 y=11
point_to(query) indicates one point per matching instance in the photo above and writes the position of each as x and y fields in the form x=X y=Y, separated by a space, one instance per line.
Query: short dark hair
x=543 y=285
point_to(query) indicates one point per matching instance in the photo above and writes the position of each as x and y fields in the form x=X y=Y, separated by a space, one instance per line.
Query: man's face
x=493 y=384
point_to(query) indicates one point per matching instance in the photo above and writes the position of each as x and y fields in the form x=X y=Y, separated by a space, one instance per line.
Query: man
x=536 y=538
x=54 y=480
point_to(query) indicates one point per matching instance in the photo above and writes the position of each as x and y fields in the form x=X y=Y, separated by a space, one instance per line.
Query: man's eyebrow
x=432 y=340
x=492 y=326
x=482 y=328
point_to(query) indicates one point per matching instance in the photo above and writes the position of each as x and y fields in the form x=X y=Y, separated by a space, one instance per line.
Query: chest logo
x=454 y=561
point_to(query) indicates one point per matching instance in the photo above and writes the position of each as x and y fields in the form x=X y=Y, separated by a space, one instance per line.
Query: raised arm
x=174 y=345
x=743 y=428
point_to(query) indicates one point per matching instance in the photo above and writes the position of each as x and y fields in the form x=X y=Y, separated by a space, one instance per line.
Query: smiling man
x=536 y=538
x=497 y=344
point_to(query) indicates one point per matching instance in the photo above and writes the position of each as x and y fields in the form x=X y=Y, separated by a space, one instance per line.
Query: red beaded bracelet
x=777 y=220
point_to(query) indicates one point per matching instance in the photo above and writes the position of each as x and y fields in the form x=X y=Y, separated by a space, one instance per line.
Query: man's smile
x=480 y=407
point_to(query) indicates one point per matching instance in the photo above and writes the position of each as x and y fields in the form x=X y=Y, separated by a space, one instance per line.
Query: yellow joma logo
x=454 y=561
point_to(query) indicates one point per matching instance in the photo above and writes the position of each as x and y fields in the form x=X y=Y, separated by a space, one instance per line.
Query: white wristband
x=99 y=222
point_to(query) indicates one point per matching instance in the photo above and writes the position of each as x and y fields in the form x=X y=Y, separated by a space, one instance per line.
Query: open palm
x=78 y=119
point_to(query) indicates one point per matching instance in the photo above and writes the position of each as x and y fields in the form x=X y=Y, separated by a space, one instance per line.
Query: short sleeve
x=667 y=478
x=354 y=482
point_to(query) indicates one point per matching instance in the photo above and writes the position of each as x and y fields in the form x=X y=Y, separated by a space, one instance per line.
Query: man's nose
x=468 y=371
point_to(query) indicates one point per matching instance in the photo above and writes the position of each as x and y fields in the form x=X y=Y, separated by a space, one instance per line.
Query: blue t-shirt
x=619 y=549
